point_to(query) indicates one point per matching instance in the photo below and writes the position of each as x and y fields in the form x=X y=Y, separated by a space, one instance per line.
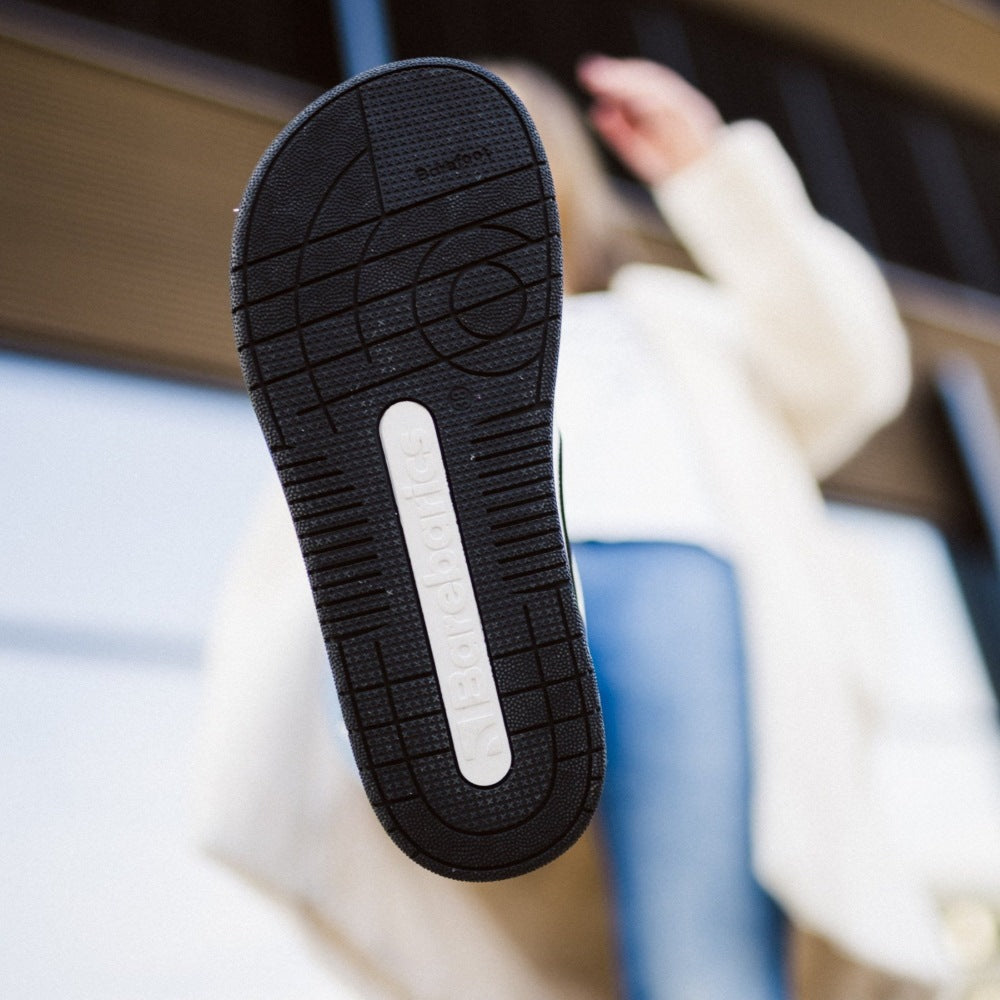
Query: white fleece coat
x=705 y=409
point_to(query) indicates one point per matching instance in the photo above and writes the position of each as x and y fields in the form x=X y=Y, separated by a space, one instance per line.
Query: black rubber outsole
x=399 y=241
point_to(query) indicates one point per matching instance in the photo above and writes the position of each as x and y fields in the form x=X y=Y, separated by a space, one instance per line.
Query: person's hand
x=654 y=120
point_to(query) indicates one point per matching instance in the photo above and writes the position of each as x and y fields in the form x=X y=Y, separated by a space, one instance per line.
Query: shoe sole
x=396 y=290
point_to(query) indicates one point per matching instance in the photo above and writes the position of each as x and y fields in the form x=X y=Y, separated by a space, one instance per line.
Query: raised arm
x=824 y=338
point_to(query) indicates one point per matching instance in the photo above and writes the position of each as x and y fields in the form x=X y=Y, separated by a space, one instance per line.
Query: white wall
x=121 y=498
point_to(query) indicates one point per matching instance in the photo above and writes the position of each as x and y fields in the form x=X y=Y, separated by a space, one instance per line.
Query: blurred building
x=129 y=130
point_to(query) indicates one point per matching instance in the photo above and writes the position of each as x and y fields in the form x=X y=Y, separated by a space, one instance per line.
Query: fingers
x=644 y=159
x=652 y=118
x=643 y=88
x=628 y=80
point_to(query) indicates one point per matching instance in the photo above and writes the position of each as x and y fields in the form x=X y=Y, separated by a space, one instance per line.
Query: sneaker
x=396 y=289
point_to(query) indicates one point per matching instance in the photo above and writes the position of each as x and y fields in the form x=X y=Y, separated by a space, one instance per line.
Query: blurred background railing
x=129 y=131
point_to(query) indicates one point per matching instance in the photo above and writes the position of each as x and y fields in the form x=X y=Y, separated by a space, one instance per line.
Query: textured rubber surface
x=399 y=241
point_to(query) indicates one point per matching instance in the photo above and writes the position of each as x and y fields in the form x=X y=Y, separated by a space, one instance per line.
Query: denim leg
x=663 y=623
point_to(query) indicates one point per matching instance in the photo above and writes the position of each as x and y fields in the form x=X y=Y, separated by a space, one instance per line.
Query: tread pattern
x=399 y=240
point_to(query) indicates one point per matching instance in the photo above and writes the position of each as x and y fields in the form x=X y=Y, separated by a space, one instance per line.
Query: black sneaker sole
x=396 y=291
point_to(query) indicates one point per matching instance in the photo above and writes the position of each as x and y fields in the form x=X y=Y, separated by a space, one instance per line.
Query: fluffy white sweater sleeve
x=825 y=341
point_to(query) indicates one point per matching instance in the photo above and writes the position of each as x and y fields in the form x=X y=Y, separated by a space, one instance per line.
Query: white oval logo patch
x=444 y=587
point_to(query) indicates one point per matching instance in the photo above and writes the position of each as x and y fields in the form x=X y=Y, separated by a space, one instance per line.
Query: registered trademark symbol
x=460 y=398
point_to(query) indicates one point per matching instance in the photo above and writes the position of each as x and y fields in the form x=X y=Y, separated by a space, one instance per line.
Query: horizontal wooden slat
x=912 y=465
x=949 y=48
x=116 y=199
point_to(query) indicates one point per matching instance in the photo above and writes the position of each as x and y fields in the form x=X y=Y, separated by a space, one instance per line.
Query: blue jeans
x=663 y=623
